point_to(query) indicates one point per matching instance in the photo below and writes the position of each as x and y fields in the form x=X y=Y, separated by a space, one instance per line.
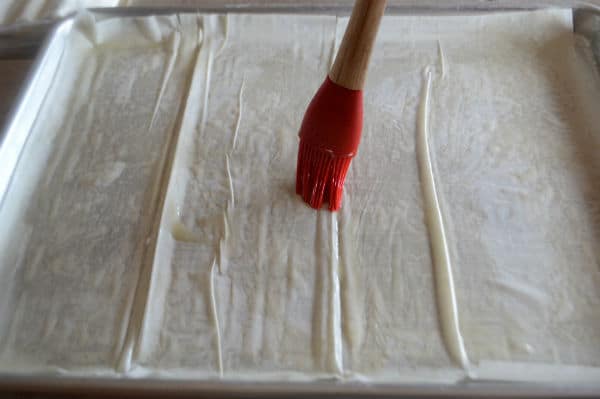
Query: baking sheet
x=97 y=177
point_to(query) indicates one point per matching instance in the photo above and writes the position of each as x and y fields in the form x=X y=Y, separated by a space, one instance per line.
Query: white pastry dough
x=232 y=276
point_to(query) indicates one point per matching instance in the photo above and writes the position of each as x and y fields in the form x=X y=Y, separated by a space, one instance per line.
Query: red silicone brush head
x=329 y=138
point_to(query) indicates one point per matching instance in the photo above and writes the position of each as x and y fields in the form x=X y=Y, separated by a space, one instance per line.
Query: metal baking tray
x=15 y=134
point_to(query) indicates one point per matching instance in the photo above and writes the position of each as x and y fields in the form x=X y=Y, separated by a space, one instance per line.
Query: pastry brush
x=332 y=125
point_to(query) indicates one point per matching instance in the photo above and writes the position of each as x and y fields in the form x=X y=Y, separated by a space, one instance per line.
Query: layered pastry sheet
x=152 y=228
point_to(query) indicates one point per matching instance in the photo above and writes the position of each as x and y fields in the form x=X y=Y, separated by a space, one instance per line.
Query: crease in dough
x=225 y=23
x=239 y=118
x=224 y=237
x=444 y=282
x=215 y=317
x=221 y=251
x=442 y=59
x=173 y=45
x=208 y=44
x=230 y=180
x=231 y=203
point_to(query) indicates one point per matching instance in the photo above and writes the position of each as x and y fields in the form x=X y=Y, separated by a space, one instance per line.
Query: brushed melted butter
x=444 y=281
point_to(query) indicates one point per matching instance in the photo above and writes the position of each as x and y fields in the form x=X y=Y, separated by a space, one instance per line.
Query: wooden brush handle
x=350 y=67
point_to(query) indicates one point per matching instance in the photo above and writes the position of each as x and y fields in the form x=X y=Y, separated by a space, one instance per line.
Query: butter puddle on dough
x=181 y=233
x=446 y=298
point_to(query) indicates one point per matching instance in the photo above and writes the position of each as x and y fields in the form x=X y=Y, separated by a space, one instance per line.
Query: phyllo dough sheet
x=158 y=232
x=285 y=292
x=76 y=218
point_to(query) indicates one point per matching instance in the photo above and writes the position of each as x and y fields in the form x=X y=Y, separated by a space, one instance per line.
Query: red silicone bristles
x=320 y=176
x=329 y=138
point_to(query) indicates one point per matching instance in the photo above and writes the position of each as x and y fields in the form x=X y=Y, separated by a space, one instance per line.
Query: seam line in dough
x=444 y=283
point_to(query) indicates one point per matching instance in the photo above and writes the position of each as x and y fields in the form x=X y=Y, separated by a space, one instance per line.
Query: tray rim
x=227 y=388
x=18 y=117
